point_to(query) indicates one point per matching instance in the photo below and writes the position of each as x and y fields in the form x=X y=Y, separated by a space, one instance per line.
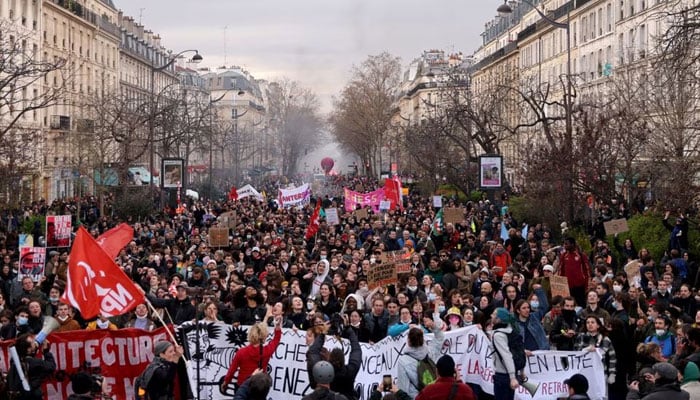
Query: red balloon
x=327 y=164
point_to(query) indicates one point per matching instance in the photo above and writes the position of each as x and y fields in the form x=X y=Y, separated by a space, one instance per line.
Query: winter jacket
x=323 y=393
x=344 y=380
x=377 y=329
x=440 y=390
x=502 y=359
x=667 y=342
x=180 y=310
x=583 y=340
x=671 y=391
x=407 y=375
x=534 y=324
x=693 y=388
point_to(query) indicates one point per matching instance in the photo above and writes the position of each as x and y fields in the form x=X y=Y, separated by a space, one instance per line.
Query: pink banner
x=372 y=199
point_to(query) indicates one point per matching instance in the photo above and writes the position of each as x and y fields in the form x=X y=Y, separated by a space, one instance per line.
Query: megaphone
x=50 y=325
x=531 y=387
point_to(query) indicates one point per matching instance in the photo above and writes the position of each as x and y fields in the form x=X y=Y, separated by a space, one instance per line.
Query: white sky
x=315 y=42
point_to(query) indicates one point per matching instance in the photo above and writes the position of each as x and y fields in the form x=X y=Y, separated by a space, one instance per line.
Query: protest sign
x=249 y=191
x=332 y=216
x=228 y=219
x=361 y=214
x=119 y=356
x=615 y=226
x=58 y=230
x=297 y=196
x=218 y=237
x=632 y=269
x=469 y=347
x=453 y=215
x=31 y=263
x=437 y=201
x=400 y=258
x=381 y=275
x=559 y=285
x=384 y=205
x=372 y=199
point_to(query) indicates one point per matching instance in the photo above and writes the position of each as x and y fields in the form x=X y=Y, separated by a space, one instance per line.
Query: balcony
x=60 y=122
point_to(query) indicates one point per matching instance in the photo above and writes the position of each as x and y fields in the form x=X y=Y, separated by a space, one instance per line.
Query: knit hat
x=161 y=347
x=548 y=268
x=666 y=371
x=445 y=366
x=504 y=315
x=578 y=383
x=691 y=373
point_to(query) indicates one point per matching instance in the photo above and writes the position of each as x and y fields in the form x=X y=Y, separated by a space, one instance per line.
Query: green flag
x=438 y=224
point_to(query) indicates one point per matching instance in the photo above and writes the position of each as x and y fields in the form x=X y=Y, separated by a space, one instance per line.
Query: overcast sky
x=315 y=42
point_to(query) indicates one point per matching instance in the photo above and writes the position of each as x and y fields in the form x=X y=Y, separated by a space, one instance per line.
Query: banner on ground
x=31 y=263
x=469 y=347
x=58 y=230
x=294 y=197
x=119 y=356
x=372 y=199
x=249 y=191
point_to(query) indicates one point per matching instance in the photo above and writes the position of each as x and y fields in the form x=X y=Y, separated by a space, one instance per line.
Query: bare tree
x=362 y=113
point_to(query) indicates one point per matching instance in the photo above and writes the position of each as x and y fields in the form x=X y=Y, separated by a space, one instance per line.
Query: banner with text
x=119 y=356
x=469 y=347
x=372 y=199
x=31 y=263
x=299 y=195
x=58 y=230
x=249 y=191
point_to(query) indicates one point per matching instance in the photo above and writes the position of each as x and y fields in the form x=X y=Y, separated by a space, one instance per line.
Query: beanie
x=161 y=347
x=691 y=373
x=504 y=315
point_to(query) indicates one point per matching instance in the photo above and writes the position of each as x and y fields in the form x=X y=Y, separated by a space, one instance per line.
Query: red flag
x=314 y=222
x=233 y=194
x=392 y=192
x=114 y=240
x=96 y=285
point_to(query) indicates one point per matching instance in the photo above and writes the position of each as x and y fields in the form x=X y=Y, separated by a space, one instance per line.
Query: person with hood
x=578 y=387
x=415 y=351
x=666 y=386
x=504 y=378
x=352 y=302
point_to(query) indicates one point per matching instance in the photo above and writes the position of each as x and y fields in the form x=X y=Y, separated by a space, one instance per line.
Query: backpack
x=517 y=349
x=426 y=371
x=142 y=381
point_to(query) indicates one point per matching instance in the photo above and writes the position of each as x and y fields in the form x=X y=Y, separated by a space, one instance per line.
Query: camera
x=336 y=328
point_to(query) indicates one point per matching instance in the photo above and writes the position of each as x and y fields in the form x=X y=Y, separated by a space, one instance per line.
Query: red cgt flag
x=314 y=222
x=96 y=285
x=233 y=194
x=114 y=240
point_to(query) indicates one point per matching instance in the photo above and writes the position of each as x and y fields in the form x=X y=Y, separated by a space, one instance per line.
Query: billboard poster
x=490 y=172
x=173 y=170
x=58 y=230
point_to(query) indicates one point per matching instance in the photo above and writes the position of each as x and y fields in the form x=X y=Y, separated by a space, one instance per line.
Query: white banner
x=294 y=196
x=332 y=216
x=248 y=191
x=469 y=347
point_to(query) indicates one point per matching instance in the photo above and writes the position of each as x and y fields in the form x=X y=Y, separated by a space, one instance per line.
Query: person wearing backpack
x=447 y=386
x=416 y=364
x=508 y=356
x=156 y=381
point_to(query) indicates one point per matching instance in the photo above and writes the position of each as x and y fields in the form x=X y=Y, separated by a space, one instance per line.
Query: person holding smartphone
x=386 y=389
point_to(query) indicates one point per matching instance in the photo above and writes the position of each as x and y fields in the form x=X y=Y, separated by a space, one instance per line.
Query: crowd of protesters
x=460 y=273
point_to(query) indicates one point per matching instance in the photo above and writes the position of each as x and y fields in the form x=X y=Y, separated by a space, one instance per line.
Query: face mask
x=53 y=299
x=534 y=304
x=441 y=309
x=614 y=304
x=660 y=332
x=431 y=296
x=617 y=288
x=62 y=318
x=309 y=306
x=412 y=288
x=608 y=276
x=102 y=324
x=454 y=321
x=323 y=257
x=22 y=321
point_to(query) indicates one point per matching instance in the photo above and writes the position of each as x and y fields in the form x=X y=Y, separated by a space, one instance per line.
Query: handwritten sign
x=332 y=216
x=362 y=213
x=616 y=226
x=228 y=219
x=218 y=237
x=453 y=215
x=632 y=269
x=559 y=286
x=401 y=260
x=381 y=275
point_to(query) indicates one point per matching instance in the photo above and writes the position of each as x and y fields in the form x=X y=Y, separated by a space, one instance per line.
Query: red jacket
x=440 y=390
x=501 y=260
x=246 y=359
x=574 y=266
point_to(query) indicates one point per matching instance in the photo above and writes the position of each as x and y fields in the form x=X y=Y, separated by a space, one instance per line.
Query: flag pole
x=170 y=333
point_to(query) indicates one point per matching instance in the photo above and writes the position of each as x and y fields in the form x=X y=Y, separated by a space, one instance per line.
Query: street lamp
x=504 y=10
x=211 y=136
x=196 y=58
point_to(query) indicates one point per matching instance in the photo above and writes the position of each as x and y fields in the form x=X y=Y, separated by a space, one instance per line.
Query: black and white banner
x=470 y=348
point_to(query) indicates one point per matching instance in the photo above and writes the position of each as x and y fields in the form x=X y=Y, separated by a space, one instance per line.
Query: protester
x=254 y=355
x=158 y=379
x=504 y=379
x=666 y=385
x=578 y=387
x=323 y=373
x=416 y=350
x=446 y=386
x=36 y=368
x=254 y=388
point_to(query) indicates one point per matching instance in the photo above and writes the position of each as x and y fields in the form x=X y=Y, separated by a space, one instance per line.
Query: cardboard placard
x=228 y=219
x=361 y=213
x=400 y=258
x=616 y=226
x=384 y=205
x=632 y=269
x=559 y=286
x=218 y=237
x=453 y=215
x=381 y=275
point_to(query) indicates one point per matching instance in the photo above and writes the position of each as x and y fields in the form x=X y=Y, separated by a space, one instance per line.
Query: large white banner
x=294 y=196
x=470 y=348
x=249 y=191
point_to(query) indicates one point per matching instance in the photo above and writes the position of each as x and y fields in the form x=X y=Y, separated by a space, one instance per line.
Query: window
x=600 y=21
x=609 y=16
x=622 y=10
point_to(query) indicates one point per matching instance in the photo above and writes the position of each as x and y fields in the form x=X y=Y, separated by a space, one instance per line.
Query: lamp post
x=196 y=58
x=506 y=9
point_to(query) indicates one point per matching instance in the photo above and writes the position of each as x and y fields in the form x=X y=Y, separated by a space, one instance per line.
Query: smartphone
x=387 y=383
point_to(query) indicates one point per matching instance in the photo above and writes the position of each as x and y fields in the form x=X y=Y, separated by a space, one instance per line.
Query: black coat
x=180 y=310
